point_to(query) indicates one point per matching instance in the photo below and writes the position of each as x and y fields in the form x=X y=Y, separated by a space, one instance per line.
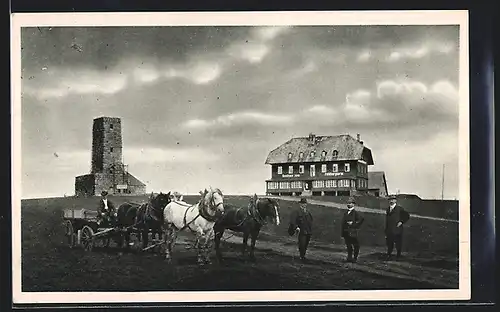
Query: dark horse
x=143 y=217
x=247 y=220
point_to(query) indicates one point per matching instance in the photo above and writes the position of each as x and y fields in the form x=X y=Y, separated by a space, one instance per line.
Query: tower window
x=110 y=126
x=111 y=149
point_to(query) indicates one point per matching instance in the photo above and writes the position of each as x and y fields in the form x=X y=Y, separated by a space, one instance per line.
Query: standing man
x=351 y=222
x=107 y=212
x=301 y=223
x=396 y=216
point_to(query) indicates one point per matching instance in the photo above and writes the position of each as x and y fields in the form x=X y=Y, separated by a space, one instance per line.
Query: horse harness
x=253 y=212
x=201 y=212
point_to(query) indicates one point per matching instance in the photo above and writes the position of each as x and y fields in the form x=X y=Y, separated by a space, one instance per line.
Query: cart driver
x=106 y=210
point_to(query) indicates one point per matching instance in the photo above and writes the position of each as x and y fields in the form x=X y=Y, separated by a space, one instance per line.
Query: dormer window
x=301 y=155
x=312 y=154
x=323 y=154
x=347 y=167
x=335 y=153
x=290 y=156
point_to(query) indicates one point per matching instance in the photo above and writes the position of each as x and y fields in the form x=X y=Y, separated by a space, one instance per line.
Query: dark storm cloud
x=104 y=47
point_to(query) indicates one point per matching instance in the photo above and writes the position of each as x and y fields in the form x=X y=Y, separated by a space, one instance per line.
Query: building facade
x=108 y=172
x=377 y=184
x=319 y=166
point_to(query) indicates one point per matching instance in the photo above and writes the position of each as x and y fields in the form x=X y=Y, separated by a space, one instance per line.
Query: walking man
x=107 y=212
x=396 y=216
x=351 y=222
x=301 y=223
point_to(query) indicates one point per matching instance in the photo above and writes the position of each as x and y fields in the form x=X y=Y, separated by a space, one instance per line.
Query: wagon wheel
x=69 y=233
x=87 y=238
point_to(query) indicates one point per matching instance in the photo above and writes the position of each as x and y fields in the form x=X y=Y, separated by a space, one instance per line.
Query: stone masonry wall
x=84 y=185
x=106 y=145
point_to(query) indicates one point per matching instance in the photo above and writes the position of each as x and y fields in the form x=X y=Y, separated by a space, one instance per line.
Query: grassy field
x=431 y=252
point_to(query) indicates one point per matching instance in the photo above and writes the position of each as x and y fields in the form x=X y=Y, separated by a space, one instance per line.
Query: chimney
x=359 y=138
x=312 y=138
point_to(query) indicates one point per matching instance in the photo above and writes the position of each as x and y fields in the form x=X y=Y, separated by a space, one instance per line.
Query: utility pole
x=442 y=186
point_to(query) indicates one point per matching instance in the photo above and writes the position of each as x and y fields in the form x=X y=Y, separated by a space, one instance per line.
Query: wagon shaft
x=153 y=246
x=103 y=232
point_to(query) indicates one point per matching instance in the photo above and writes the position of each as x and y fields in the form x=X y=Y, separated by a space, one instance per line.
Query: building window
x=313 y=153
x=312 y=170
x=272 y=185
x=347 y=167
x=335 y=168
x=111 y=149
x=111 y=126
x=323 y=168
x=323 y=154
x=343 y=183
x=290 y=156
x=296 y=184
x=280 y=170
x=331 y=183
x=301 y=155
x=353 y=184
x=335 y=153
x=284 y=185
x=290 y=169
x=301 y=169
x=318 y=184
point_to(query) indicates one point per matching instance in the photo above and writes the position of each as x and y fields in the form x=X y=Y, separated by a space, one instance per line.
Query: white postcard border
x=19 y=20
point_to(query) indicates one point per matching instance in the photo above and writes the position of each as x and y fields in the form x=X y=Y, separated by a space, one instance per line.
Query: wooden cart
x=82 y=229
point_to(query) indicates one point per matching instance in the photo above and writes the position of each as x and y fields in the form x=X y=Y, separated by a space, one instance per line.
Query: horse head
x=269 y=207
x=161 y=200
x=213 y=201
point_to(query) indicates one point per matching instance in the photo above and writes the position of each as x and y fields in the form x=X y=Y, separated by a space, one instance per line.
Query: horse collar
x=257 y=218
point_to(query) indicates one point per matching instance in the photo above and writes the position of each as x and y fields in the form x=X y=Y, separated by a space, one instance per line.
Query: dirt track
x=49 y=265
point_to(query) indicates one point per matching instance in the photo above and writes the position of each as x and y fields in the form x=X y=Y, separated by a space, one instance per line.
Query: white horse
x=199 y=218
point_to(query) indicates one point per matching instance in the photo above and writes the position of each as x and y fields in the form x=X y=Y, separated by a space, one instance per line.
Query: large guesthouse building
x=319 y=166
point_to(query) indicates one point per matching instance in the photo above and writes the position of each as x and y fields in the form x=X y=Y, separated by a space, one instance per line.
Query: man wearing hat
x=107 y=212
x=351 y=222
x=395 y=217
x=301 y=223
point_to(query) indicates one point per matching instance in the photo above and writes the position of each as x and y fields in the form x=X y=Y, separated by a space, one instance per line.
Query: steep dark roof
x=376 y=180
x=346 y=146
x=133 y=180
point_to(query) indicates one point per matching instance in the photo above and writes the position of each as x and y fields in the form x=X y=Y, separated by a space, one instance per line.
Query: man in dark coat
x=396 y=216
x=301 y=222
x=351 y=222
x=107 y=211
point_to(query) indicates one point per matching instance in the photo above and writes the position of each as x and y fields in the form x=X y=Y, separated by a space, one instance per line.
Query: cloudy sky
x=204 y=106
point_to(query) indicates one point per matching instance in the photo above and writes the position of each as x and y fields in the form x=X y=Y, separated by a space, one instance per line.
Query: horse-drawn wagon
x=82 y=228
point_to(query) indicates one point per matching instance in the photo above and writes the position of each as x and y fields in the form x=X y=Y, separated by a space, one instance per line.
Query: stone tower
x=107 y=170
x=106 y=145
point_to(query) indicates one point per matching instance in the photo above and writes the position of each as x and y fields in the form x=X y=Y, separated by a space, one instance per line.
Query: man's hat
x=303 y=200
x=351 y=200
x=392 y=197
x=104 y=193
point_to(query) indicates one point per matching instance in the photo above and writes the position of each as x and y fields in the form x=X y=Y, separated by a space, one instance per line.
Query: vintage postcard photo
x=239 y=157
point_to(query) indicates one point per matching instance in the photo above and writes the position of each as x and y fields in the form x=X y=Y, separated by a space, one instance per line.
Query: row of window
x=283 y=185
x=335 y=154
x=312 y=169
